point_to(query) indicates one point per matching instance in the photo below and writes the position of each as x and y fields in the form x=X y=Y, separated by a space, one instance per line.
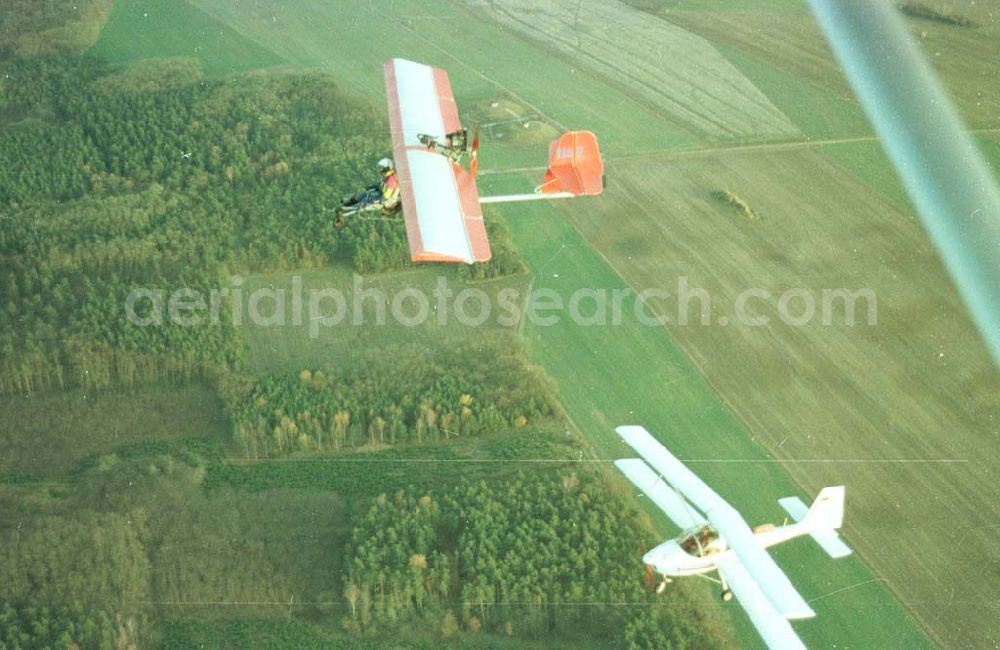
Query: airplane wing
x=444 y=221
x=659 y=492
x=774 y=584
x=774 y=628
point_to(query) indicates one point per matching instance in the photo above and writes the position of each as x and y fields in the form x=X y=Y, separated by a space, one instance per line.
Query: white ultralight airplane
x=440 y=200
x=717 y=539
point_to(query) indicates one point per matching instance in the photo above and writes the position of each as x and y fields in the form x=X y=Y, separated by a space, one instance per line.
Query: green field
x=868 y=162
x=917 y=387
x=294 y=347
x=145 y=29
x=789 y=39
x=818 y=111
x=368 y=34
x=49 y=440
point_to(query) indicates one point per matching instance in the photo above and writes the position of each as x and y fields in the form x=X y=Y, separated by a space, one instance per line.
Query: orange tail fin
x=575 y=165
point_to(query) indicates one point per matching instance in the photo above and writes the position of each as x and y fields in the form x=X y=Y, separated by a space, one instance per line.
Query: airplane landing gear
x=664 y=581
x=727 y=593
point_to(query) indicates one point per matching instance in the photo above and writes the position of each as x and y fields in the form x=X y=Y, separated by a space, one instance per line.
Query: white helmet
x=385 y=165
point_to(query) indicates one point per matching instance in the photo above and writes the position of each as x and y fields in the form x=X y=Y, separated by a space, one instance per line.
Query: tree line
x=400 y=394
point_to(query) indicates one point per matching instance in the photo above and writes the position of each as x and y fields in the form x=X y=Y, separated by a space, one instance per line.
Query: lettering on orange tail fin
x=575 y=165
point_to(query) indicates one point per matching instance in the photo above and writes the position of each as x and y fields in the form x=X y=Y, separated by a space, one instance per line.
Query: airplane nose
x=663 y=556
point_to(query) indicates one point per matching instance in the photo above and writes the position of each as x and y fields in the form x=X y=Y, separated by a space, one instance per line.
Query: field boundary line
x=666 y=155
x=236 y=460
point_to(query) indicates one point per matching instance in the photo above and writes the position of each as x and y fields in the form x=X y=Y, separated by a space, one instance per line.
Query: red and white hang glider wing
x=444 y=221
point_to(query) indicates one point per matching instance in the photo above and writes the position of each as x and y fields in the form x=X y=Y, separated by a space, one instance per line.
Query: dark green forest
x=28 y=628
x=532 y=556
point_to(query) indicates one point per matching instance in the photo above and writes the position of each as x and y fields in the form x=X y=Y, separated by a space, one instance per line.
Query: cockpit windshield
x=697 y=542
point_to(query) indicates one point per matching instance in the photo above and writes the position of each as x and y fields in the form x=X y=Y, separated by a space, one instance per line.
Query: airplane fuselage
x=683 y=556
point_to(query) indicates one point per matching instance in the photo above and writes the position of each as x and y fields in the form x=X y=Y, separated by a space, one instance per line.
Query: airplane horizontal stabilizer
x=822 y=519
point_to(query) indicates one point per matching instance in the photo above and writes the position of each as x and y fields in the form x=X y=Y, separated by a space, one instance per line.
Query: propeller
x=474 y=154
x=650 y=578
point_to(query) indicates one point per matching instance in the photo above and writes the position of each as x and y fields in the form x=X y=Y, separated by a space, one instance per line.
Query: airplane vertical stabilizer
x=827 y=510
x=822 y=519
